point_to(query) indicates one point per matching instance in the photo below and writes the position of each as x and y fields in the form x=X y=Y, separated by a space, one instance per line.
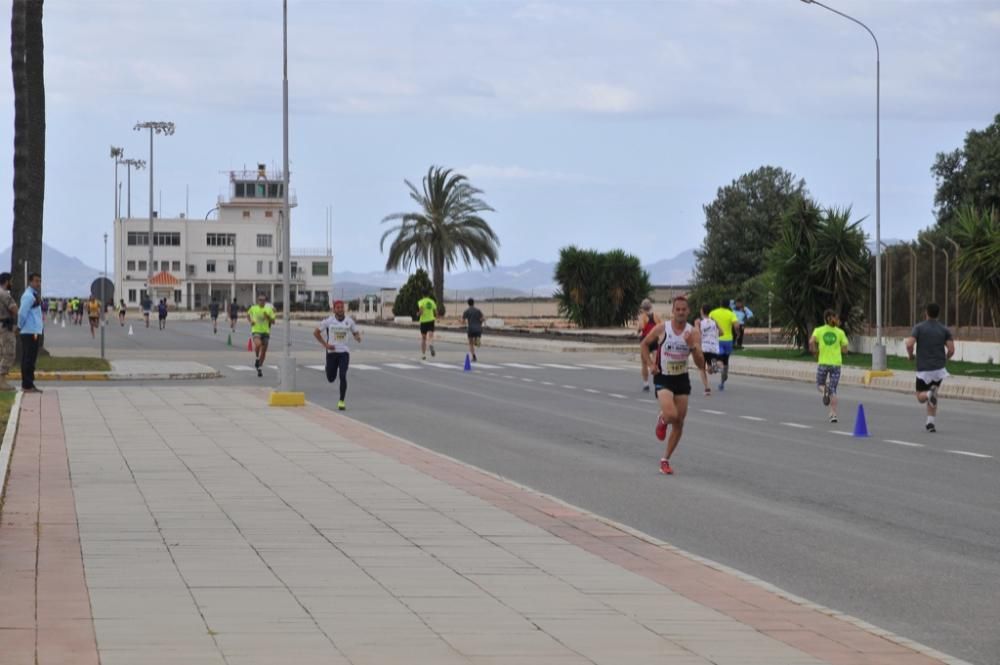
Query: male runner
x=726 y=319
x=673 y=385
x=161 y=313
x=427 y=309
x=828 y=343
x=122 y=309
x=147 y=306
x=261 y=316
x=709 y=330
x=234 y=313
x=743 y=313
x=338 y=353
x=213 y=311
x=935 y=346
x=93 y=314
x=473 y=318
x=647 y=321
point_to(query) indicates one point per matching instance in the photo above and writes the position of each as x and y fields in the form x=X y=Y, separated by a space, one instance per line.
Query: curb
x=766 y=586
x=7 y=446
x=116 y=376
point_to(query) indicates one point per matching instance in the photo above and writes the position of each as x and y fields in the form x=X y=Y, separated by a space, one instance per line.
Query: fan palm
x=978 y=232
x=446 y=228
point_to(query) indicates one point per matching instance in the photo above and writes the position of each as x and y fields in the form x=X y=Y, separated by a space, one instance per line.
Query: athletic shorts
x=426 y=327
x=678 y=384
x=473 y=336
x=928 y=378
x=263 y=337
x=710 y=357
x=725 y=350
x=93 y=320
x=831 y=371
x=215 y=318
x=653 y=346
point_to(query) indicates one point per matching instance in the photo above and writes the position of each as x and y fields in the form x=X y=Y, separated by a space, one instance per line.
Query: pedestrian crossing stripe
x=479 y=365
x=520 y=366
x=402 y=366
x=240 y=368
x=558 y=366
x=443 y=365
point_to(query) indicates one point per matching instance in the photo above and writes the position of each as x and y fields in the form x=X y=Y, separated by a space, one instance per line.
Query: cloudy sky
x=601 y=123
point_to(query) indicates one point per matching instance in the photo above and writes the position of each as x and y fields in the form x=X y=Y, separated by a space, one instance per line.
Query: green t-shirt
x=428 y=309
x=829 y=340
x=261 y=318
x=725 y=318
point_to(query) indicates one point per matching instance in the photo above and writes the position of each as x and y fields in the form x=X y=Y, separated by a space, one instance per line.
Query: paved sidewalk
x=212 y=529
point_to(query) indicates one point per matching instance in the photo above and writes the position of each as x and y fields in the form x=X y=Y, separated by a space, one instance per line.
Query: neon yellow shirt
x=261 y=318
x=428 y=309
x=829 y=340
x=725 y=318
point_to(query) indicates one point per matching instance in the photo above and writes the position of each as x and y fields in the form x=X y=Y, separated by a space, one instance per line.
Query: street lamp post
x=287 y=362
x=104 y=298
x=167 y=129
x=116 y=154
x=878 y=351
x=131 y=164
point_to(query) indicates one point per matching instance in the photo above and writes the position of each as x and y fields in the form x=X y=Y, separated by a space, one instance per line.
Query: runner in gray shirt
x=934 y=346
x=474 y=327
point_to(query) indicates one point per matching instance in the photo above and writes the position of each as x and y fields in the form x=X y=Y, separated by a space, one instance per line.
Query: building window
x=295 y=268
x=210 y=266
x=177 y=296
x=167 y=238
x=230 y=267
x=270 y=267
x=175 y=266
x=138 y=238
x=130 y=265
x=265 y=240
x=142 y=266
x=269 y=213
x=246 y=214
x=131 y=295
x=220 y=239
x=281 y=267
x=240 y=190
x=260 y=267
x=320 y=268
x=191 y=270
x=321 y=296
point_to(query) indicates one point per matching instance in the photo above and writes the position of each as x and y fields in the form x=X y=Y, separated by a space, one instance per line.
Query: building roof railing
x=310 y=251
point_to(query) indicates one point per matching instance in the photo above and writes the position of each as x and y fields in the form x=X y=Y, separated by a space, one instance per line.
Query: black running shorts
x=426 y=327
x=678 y=384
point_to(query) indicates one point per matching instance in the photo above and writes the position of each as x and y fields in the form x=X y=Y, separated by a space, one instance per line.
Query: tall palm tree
x=447 y=227
x=978 y=233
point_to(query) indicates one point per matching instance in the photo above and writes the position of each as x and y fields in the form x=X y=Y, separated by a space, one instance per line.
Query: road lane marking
x=364 y=367
x=797 y=425
x=442 y=365
x=607 y=367
x=617 y=396
x=240 y=368
x=507 y=376
x=547 y=383
x=841 y=433
x=402 y=366
x=968 y=454
x=756 y=419
x=569 y=387
x=527 y=380
x=904 y=443
x=558 y=366
x=485 y=365
x=713 y=412
x=591 y=390
x=520 y=366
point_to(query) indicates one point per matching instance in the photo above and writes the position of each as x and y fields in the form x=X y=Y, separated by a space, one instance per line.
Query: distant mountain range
x=62 y=275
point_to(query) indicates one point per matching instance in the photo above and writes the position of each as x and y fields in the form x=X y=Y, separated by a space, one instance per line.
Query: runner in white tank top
x=709 y=345
x=673 y=385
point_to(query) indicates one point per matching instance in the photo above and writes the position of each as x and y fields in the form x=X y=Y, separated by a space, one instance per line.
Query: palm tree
x=446 y=227
x=978 y=233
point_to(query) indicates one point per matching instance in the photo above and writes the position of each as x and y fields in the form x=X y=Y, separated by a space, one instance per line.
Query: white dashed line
x=507 y=376
x=797 y=425
x=240 y=368
x=547 y=383
x=558 y=366
x=402 y=366
x=904 y=443
x=520 y=366
x=754 y=418
x=591 y=390
x=713 y=412
x=617 y=396
x=568 y=387
x=486 y=366
x=526 y=380
x=837 y=431
x=605 y=367
x=442 y=365
x=968 y=454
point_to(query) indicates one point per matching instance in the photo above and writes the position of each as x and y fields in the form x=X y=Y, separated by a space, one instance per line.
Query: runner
x=828 y=343
x=647 y=321
x=709 y=330
x=122 y=309
x=147 y=307
x=234 y=313
x=935 y=347
x=673 y=385
x=94 y=314
x=473 y=318
x=726 y=320
x=338 y=353
x=744 y=314
x=261 y=316
x=213 y=311
x=161 y=313
x=427 y=309
x=62 y=311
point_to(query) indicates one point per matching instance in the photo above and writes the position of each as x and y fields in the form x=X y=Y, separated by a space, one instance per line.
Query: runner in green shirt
x=427 y=310
x=828 y=343
x=261 y=316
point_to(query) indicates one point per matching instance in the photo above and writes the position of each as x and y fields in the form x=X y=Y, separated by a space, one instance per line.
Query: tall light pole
x=878 y=351
x=167 y=129
x=131 y=164
x=116 y=154
x=287 y=363
x=104 y=298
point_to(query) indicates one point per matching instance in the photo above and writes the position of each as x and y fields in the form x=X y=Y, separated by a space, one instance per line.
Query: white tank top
x=709 y=336
x=675 y=350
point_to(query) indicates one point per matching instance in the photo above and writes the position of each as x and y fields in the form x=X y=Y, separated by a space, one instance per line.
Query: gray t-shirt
x=931 y=336
x=475 y=319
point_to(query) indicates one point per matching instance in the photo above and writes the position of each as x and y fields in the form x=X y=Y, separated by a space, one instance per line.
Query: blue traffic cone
x=860 y=426
x=229 y=339
x=468 y=364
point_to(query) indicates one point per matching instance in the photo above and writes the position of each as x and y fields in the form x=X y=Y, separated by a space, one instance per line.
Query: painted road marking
x=442 y=365
x=717 y=413
x=527 y=380
x=507 y=376
x=754 y=418
x=591 y=390
x=520 y=366
x=837 y=431
x=968 y=454
x=240 y=368
x=547 y=383
x=558 y=366
x=402 y=366
x=617 y=396
x=607 y=367
x=569 y=387
x=486 y=366
x=904 y=443
x=799 y=426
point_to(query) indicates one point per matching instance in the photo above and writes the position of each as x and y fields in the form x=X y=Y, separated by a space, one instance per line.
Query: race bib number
x=675 y=367
x=340 y=335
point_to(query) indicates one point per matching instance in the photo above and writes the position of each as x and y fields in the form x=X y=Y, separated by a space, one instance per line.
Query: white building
x=236 y=255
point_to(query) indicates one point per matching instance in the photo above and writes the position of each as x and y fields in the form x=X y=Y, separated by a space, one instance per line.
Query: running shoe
x=722 y=386
x=645 y=387
x=260 y=372
x=833 y=417
x=826 y=395
x=708 y=392
x=931 y=428
x=665 y=467
x=474 y=358
x=661 y=428
x=341 y=405
x=432 y=351
x=423 y=357
x=932 y=395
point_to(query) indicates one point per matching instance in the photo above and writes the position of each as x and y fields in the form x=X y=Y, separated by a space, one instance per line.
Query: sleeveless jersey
x=709 y=336
x=649 y=325
x=675 y=350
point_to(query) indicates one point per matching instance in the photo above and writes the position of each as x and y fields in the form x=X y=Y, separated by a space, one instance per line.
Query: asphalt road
x=901 y=529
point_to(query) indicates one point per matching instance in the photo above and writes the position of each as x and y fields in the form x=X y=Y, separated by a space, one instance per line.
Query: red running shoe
x=665 y=467
x=661 y=428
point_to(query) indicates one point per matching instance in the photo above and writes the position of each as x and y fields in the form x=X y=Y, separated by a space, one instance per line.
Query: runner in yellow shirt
x=427 y=310
x=261 y=316
x=828 y=343
x=726 y=319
